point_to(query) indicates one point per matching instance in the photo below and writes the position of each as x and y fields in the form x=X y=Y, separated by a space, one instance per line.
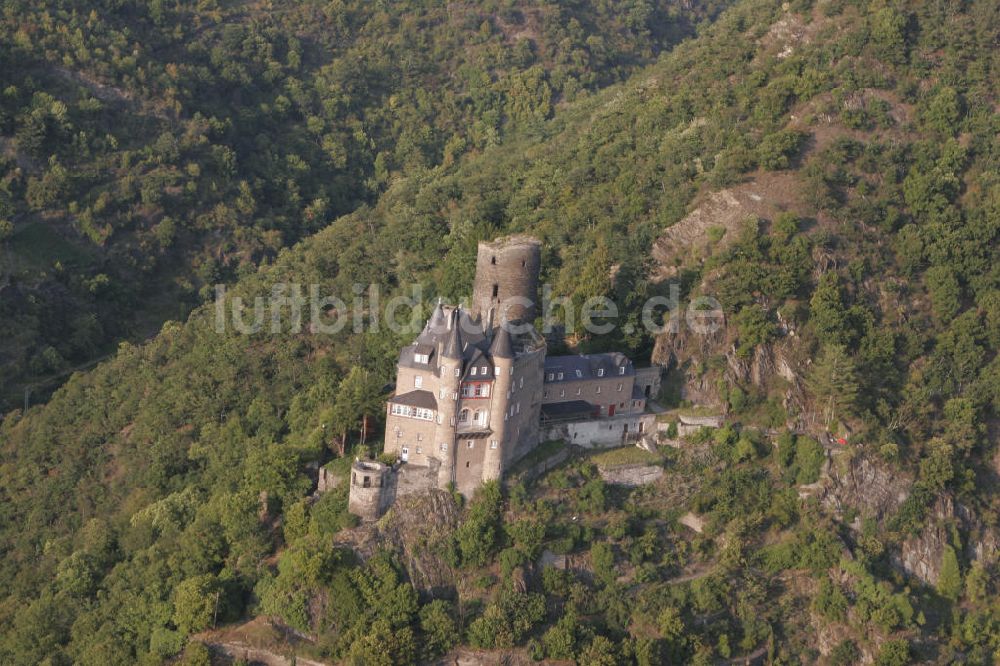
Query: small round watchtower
x=506 y=286
x=367 y=498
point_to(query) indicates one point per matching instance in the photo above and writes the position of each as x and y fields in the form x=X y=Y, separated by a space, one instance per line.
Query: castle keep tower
x=507 y=278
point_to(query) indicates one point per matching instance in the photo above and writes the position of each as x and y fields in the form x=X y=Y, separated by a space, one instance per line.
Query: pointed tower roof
x=453 y=338
x=501 y=346
x=437 y=321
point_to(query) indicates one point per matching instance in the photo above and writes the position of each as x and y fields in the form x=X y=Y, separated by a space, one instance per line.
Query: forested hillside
x=151 y=150
x=163 y=492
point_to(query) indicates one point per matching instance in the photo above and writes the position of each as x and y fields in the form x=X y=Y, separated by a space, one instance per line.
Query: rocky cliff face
x=876 y=490
x=920 y=555
x=691 y=352
x=413 y=528
x=868 y=485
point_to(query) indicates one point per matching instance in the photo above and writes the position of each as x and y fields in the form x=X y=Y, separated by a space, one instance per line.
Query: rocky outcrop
x=413 y=528
x=921 y=555
x=868 y=485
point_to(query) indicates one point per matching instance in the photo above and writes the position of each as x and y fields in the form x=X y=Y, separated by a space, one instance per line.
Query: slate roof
x=588 y=365
x=419 y=398
x=568 y=409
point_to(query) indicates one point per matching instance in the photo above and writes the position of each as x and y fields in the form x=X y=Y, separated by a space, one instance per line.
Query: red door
x=611 y=410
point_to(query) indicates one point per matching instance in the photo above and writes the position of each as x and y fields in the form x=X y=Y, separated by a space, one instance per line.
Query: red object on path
x=842 y=441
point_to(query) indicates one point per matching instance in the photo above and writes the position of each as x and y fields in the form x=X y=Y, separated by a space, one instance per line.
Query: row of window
x=478 y=417
x=558 y=376
x=412 y=412
x=444 y=447
x=475 y=390
x=562 y=392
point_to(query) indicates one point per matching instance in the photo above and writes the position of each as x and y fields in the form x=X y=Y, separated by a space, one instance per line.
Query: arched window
x=463 y=416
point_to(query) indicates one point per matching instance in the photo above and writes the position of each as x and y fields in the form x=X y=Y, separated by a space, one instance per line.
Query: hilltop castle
x=475 y=391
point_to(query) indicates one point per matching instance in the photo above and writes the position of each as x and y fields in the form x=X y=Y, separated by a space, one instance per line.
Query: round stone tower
x=450 y=373
x=502 y=354
x=368 y=496
x=506 y=286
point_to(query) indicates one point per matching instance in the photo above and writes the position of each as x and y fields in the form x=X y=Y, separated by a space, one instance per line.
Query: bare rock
x=868 y=485
x=416 y=529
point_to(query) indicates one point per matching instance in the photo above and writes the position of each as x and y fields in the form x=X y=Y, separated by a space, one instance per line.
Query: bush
x=776 y=150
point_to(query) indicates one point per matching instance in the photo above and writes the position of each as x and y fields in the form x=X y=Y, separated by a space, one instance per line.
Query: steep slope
x=140 y=484
x=150 y=151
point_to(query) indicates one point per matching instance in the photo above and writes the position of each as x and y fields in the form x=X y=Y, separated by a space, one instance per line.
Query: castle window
x=600 y=372
x=493 y=260
x=524 y=262
x=486 y=390
x=496 y=371
x=579 y=374
x=597 y=390
x=480 y=417
x=521 y=383
x=551 y=376
x=619 y=386
x=463 y=416
x=419 y=450
x=545 y=393
x=421 y=358
x=621 y=405
x=444 y=448
x=578 y=391
x=418 y=381
x=621 y=370
x=472 y=444
x=496 y=290
x=559 y=376
x=562 y=393
x=475 y=371
x=420 y=438
x=466 y=463
x=458 y=372
x=493 y=444
x=482 y=370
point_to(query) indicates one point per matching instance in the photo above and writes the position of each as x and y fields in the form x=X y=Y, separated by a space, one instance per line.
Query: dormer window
x=551 y=376
x=422 y=358
x=559 y=376
x=482 y=370
x=579 y=374
x=475 y=371
x=600 y=372
x=621 y=370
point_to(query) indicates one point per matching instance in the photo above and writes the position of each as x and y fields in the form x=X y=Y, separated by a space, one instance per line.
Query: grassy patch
x=540 y=453
x=626 y=455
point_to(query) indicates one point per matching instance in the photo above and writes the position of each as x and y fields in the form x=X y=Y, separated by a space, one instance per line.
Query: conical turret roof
x=501 y=346
x=453 y=339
